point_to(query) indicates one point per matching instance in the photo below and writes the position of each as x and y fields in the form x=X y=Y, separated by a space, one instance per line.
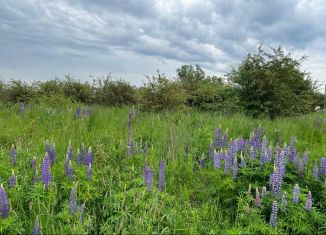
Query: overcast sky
x=41 y=39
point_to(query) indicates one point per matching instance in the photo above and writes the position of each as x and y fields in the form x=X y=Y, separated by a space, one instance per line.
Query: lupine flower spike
x=37 y=227
x=13 y=179
x=235 y=167
x=13 y=154
x=274 y=214
x=3 y=203
x=73 y=201
x=257 y=199
x=316 y=170
x=296 y=192
x=284 y=202
x=308 y=202
x=82 y=213
x=161 y=183
x=46 y=175
x=89 y=171
x=217 y=160
x=70 y=172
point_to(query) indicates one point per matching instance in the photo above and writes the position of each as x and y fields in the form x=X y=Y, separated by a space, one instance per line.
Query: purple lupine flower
x=145 y=149
x=34 y=163
x=285 y=150
x=263 y=152
x=225 y=139
x=270 y=153
x=82 y=213
x=132 y=148
x=66 y=164
x=202 y=162
x=218 y=138
x=78 y=112
x=73 y=200
x=13 y=154
x=89 y=156
x=69 y=151
x=240 y=143
x=284 y=202
x=211 y=151
x=83 y=153
x=70 y=172
x=292 y=152
x=35 y=177
x=296 y=192
x=246 y=147
x=89 y=171
x=323 y=166
x=217 y=160
x=13 y=179
x=79 y=158
x=227 y=163
x=148 y=177
x=316 y=170
x=308 y=202
x=53 y=153
x=243 y=162
x=257 y=199
x=161 y=184
x=46 y=174
x=301 y=167
x=263 y=192
x=252 y=154
x=4 y=203
x=274 y=214
x=37 y=227
x=235 y=167
x=276 y=179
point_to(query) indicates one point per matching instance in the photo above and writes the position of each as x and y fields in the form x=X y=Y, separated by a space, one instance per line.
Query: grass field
x=197 y=198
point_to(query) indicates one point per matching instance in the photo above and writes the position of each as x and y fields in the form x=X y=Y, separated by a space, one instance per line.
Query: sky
x=131 y=39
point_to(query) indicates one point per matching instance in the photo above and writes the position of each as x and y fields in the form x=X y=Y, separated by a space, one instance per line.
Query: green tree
x=273 y=84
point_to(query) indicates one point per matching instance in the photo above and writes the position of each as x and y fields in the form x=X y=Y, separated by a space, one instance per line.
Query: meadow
x=72 y=169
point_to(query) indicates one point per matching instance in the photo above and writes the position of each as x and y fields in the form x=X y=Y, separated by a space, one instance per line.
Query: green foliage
x=196 y=200
x=273 y=84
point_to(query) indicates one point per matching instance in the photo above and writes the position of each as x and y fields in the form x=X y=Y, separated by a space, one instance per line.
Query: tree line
x=269 y=84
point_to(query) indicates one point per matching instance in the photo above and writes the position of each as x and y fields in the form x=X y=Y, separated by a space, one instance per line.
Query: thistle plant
x=4 y=203
x=296 y=192
x=13 y=179
x=273 y=218
x=161 y=180
x=308 y=205
x=13 y=155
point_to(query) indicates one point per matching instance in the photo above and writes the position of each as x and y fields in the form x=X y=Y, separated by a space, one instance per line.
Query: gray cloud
x=98 y=36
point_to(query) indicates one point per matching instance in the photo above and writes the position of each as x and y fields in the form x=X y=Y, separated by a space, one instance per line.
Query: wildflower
x=235 y=167
x=270 y=153
x=308 y=202
x=263 y=153
x=132 y=148
x=35 y=177
x=257 y=199
x=3 y=203
x=292 y=153
x=284 y=202
x=276 y=179
x=161 y=179
x=305 y=157
x=316 y=170
x=218 y=138
x=285 y=150
x=34 y=163
x=70 y=172
x=83 y=153
x=296 y=192
x=13 y=154
x=202 y=161
x=263 y=192
x=89 y=171
x=13 y=179
x=225 y=139
x=211 y=151
x=69 y=151
x=301 y=167
x=73 y=201
x=46 y=175
x=252 y=154
x=242 y=163
x=79 y=158
x=226 y=163
x=274 y=214
x=89 y=156
x=148 y=177
x=217 y=160
x=323 y=166
x=37 y=227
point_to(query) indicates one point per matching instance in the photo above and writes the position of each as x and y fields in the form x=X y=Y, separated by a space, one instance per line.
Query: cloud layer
x=41 y=39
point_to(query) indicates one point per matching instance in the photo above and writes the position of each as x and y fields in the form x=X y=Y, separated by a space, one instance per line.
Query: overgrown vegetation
x=199 y=194
x=264 y=84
